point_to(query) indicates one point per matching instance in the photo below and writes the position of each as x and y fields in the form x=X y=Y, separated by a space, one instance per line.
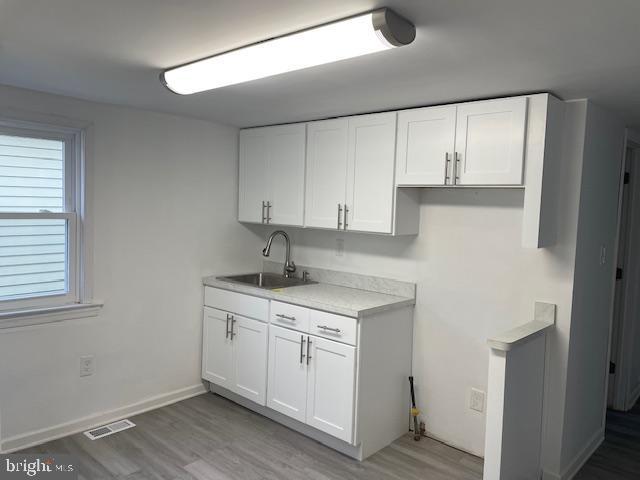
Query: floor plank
x=210 y=438
x=618 y=458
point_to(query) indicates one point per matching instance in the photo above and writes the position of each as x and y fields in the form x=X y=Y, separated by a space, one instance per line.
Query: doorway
x=624 y=368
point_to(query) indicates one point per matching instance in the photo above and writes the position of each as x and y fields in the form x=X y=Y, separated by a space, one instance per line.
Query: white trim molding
x=54 y=432
x=579 y=460
x=39 y=316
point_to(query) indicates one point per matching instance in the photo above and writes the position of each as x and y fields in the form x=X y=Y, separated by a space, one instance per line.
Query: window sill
x=39 y=316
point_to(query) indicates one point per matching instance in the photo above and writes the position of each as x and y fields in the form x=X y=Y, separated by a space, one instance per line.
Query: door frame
x=620 y=383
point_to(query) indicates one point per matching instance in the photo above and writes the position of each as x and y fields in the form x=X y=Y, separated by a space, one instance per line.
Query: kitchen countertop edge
x=281 y=296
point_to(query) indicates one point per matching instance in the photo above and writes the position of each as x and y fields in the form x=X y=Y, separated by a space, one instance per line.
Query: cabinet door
x=490 y=138
x=370 y=173
x=331 y=388
x=426 y=138
x=286 y=174
x=326 y=172
x=287 y=379
x=250 y=359
x=252 y=184
x=217 y=348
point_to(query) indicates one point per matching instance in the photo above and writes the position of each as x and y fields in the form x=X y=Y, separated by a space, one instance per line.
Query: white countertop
x=544 y=319
x=351 y=302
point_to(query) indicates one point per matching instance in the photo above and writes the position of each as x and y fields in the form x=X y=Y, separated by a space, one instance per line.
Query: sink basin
x=267 y=281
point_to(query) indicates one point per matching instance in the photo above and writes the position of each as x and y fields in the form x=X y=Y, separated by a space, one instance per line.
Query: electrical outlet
x=476 y=400
x=339 y=247
x=87 y=365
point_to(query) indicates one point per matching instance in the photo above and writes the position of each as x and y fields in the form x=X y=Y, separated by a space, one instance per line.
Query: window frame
x=73 y=187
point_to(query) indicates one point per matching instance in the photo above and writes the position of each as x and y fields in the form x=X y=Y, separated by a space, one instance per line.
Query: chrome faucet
x=289 y=266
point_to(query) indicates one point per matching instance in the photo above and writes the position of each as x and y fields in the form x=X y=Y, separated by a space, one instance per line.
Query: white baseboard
x=44 y=435
x=579 y=460
x=550 y=476
x=633 y=398
x=431 y=435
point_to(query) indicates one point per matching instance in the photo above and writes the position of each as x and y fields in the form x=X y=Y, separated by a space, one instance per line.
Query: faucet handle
x=305 y=276
x=290 y=267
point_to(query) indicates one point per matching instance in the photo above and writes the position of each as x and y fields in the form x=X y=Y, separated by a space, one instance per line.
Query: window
x=39 y=215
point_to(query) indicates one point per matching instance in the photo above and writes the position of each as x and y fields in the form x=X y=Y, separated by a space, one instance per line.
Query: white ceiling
x=113 y=51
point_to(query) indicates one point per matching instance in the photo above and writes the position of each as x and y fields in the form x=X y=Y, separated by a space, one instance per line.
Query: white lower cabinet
x=249 y=354
x=287 y=385
x=331 y=387
x=235 y=353
x=217 y=349
x=312 y=380
x=340 y=380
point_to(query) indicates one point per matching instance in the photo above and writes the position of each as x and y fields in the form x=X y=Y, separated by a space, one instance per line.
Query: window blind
x=33 y=251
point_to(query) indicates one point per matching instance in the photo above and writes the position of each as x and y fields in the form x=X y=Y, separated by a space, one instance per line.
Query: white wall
x=163 y=190
x=593 y=287
x=474 y=280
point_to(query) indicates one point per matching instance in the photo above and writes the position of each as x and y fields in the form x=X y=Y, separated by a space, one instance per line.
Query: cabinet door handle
x=339 y=216
x=268 y=211
x=346 y=211
x=302 y=340
x=233 y=322
x=330 y=329
x=263 y=215
x=447 y=161
x=227 y=329
x=456 y=169
x=308 y=349
x=285 y=317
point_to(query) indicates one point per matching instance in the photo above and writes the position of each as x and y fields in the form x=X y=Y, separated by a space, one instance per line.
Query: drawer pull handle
x=324 y=327
x=285 y=317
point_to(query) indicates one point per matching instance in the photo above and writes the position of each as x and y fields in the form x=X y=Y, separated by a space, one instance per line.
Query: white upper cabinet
x=350 y=173
x=286 y=174
x=370 y=173
x=477 y=144
x=327 y=144
x=355 y=173
x=490 y=139
x=426 y=142
x=252 y=187
x=271 y=175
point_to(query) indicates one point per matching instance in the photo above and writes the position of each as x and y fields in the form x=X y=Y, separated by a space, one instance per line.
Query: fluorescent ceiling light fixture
x=351 y=37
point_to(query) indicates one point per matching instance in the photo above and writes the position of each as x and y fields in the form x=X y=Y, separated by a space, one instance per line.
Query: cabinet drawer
x=238 y=303
x=290 y=316
x=335 y=327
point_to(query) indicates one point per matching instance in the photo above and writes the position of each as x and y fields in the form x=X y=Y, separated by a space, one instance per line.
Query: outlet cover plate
x=476 y=400
x=87 y=365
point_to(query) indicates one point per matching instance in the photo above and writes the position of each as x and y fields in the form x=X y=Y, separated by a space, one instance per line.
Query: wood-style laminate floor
x=210 y=438
x=618 y=458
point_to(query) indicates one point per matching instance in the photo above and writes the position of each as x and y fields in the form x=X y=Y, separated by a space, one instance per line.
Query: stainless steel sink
x=268 y=281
